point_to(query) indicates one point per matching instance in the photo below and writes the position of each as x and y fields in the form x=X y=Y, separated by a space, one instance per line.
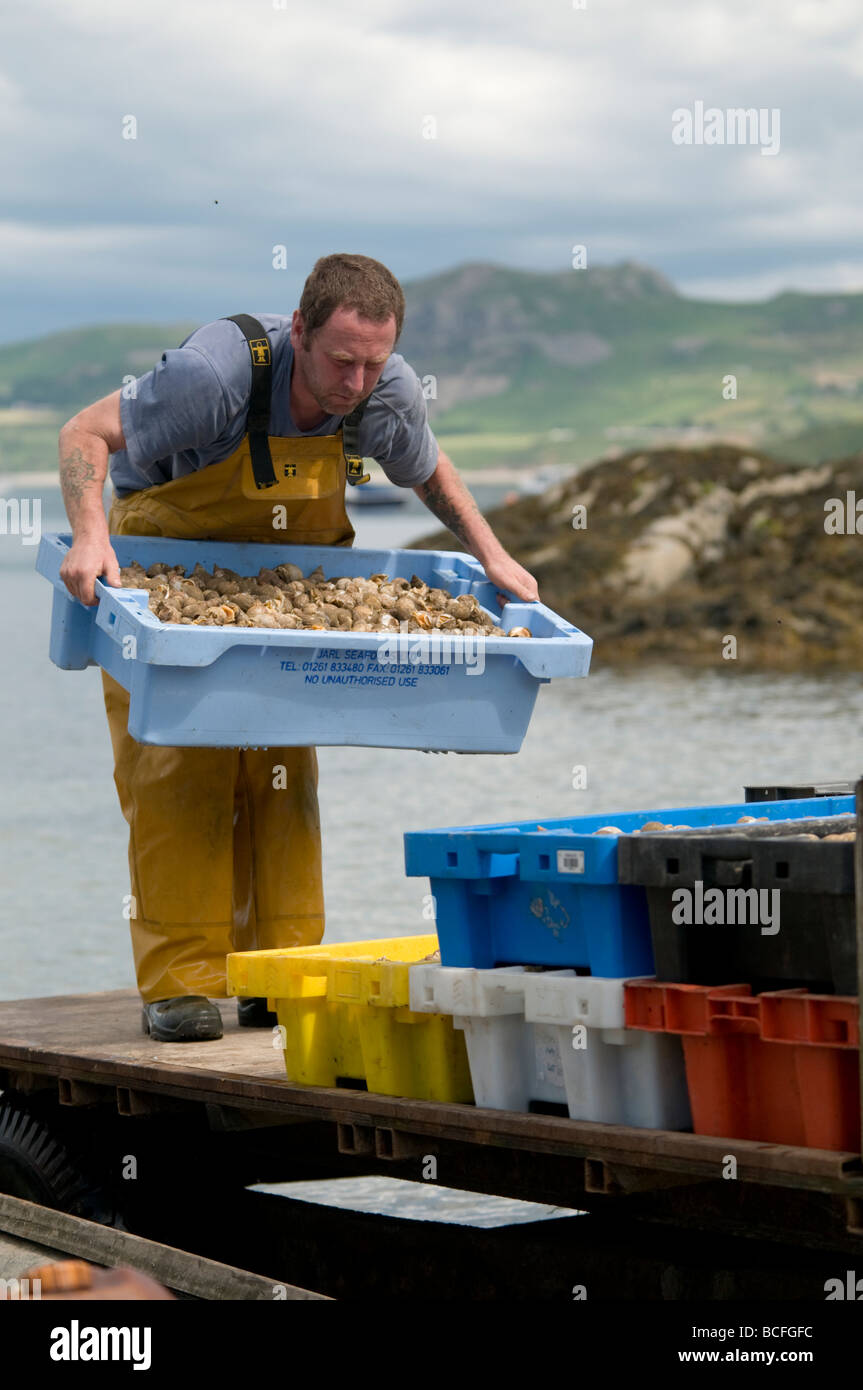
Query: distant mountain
x=565 y=366
x=526 y=368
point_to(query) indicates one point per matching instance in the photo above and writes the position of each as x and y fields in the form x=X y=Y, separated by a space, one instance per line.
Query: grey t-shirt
x=190 y=410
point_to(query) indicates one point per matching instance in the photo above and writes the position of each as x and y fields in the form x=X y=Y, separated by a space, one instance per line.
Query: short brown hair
x=354 y=282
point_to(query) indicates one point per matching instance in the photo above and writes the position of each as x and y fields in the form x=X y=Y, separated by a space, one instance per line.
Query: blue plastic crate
x=523 y=895
x=256 y=687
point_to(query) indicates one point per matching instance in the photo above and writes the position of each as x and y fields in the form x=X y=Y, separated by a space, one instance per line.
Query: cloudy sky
x=261 y=124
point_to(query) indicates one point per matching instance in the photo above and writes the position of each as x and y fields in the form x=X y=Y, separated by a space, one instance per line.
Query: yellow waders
x=219 y=859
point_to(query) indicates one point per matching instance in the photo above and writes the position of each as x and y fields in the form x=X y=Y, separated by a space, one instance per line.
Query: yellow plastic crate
x=344 y=1014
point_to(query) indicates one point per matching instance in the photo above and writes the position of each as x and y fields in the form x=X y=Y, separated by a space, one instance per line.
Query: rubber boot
x=189 y=1018
x=253 y=1013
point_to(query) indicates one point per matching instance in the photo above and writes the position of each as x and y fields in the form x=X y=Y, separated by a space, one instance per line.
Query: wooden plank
x=670 y=1151
x=699 y=1155
x=176 y=1269
x=95 y=1039
x=108 y=1026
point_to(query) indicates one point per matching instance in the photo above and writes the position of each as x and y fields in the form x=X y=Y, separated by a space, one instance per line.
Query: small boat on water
x=376 y=495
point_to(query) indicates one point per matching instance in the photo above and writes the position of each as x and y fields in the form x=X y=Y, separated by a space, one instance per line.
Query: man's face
x=344 y=360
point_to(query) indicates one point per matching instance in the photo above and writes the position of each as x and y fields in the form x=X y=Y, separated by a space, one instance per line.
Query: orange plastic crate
x=780 y=1067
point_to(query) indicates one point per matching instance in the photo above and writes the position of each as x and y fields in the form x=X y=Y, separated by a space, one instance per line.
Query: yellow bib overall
x=221 y=860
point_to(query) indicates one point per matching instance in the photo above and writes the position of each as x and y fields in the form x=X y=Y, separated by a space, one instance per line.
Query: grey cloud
x=553 y=127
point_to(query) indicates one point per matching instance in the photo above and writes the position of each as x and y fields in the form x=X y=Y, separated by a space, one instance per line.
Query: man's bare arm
x=85 y=444
x=446 y=496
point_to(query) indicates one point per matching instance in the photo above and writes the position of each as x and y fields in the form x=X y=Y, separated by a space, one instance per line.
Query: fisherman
x=250 y=425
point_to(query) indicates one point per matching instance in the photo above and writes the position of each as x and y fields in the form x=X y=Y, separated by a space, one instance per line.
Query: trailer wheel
x=35 y=1164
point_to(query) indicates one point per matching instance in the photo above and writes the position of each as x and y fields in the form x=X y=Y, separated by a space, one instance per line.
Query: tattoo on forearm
x=76 y=473
x=438 y=501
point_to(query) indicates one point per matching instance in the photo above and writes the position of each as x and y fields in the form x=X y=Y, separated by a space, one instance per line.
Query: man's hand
x=85 y=444
x=88 y=559
x=509 y=574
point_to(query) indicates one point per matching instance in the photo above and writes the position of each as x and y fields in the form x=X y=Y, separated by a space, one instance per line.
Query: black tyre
x=37 y=1165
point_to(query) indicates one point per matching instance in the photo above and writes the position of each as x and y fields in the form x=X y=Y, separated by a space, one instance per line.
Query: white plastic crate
x=612 y=1079
x=557 y=1036
x=511 y=1062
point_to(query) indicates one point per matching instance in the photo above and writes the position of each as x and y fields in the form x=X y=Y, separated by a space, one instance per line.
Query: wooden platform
x=91 y=1048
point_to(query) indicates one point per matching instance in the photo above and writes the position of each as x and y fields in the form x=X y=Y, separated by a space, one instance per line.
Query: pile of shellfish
x=284 y=598
x=741 y=820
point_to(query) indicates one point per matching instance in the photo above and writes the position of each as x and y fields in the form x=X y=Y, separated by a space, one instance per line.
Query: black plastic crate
x=815 y=945
x=792 y=790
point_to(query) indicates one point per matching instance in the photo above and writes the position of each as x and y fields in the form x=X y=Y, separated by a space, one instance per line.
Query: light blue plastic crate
x=519 y=895
x=256 y=687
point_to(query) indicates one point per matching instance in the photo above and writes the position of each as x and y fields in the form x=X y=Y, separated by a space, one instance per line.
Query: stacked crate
x=344 y=1017
x=556 y=1038
x=781 y=1067
x=754 y=939
x=542 y=929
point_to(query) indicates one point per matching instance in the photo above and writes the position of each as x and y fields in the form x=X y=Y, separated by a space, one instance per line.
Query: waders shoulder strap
x=351 y=445
x=258 y=419
x=258 y=422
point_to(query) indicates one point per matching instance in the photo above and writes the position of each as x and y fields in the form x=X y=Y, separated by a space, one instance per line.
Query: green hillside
x=615 y=358
x=526 y=368
x=45 y=380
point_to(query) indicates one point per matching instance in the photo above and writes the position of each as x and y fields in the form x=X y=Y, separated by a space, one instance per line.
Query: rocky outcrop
x=717 y=556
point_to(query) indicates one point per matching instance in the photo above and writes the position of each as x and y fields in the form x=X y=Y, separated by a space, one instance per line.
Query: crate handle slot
x=726 y=871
